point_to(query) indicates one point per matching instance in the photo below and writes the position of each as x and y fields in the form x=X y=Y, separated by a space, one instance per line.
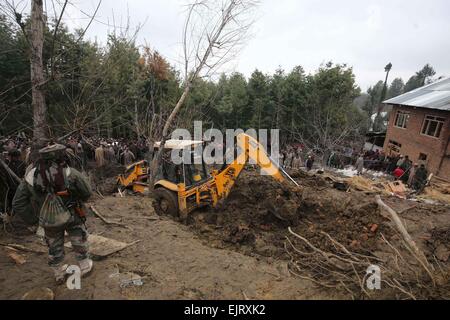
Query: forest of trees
x=124 y=90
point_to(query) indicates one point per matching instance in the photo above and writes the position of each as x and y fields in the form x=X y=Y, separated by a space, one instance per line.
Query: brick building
x=419 y=126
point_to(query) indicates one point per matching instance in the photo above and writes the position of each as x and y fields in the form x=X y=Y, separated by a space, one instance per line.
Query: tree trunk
x=157 y=158
x=37 y=72
x=136 y=119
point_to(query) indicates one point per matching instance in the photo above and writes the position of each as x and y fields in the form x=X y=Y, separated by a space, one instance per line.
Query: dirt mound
x=255 y=217
x=327 y=234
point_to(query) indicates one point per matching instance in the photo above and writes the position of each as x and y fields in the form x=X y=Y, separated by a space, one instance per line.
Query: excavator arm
x=248 y=149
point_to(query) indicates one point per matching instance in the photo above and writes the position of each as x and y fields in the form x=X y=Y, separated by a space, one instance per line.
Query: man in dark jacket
x=420 y=178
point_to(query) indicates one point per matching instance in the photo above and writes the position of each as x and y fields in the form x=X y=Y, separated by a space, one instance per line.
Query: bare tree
x=213 y=34
x=321 y=133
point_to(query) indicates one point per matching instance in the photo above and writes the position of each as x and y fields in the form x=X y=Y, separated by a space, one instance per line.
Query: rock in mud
x=442 y=252
x=39 y=294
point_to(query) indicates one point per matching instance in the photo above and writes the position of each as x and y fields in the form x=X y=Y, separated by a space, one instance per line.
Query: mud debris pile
x=255 y=217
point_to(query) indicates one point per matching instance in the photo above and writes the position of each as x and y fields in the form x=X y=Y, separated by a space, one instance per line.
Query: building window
x=432 y=126
x=423 y=157
x=401 y=119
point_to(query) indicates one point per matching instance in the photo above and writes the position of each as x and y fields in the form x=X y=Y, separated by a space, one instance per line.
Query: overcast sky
x=365 y=34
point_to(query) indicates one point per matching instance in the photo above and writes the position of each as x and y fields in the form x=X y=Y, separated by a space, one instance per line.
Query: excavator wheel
x=166 y=202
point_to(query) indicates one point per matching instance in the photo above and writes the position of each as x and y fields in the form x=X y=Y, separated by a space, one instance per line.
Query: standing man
x=406 y=164
x=100 y=156
x=309 y=163
x=360 y=165
x=297 y=162
x=56 y=193
x=412 y=172
x=400 y=161
x=111 y=154
x=128 y=157
x=15 y=163
x=420 y=178
x=289 y=158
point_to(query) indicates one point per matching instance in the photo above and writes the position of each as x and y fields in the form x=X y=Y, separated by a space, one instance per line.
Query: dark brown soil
x=255 y=217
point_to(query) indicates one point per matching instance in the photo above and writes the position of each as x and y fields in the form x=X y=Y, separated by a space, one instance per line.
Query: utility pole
x=378 y=122
x=387 y=69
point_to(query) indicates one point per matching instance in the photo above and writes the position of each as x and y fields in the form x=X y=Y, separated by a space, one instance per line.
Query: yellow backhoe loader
x=180 y=189
x=135 y=177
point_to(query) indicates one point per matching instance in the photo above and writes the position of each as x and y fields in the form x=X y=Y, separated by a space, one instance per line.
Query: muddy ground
x=235 y=251
x=255 y=218
x=173 y=261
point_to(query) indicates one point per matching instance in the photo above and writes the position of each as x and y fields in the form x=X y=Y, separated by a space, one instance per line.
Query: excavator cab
x=175 y=181
x=188 y=174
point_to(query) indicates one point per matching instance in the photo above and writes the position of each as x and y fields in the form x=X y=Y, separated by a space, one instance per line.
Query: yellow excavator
x=134 y=178
x=180 y=189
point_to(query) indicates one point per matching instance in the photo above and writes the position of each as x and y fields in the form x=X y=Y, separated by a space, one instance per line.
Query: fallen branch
x=416 y=252
x=10 y=172
x=132 y=244
x=245 y=296
x=20 y=248
x=101 y=217
x=100 y=194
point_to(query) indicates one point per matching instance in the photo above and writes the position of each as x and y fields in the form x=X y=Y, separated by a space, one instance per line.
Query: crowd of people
x=16 y=151
x=292 y=156
x=100 y=152
x=19 y=155
x=106 y=151
x=399 y=166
